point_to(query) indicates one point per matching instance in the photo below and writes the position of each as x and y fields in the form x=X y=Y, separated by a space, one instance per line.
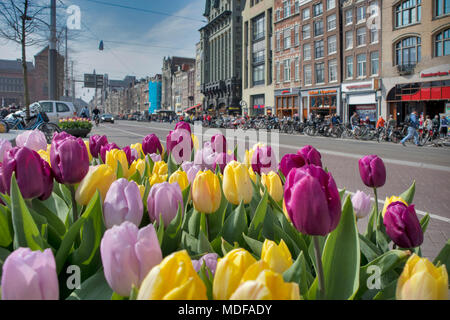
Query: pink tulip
x=5 y=146
x=32 y=139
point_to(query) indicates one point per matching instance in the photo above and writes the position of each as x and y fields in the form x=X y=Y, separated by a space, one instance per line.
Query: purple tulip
x=123 y=202
x=219 y=143
x=151 y=144
x=155 y=157
x=69 y=159
x=179 y=144
x=312 y=200
x=30 y=275
x=372 y=171
x=183 y=125
x=311 y=155
x=222 y=160
x=33 y=175
x=402 y=225
x=105 y=148
x=164 y=199
x=210 y=260
x=205 y=157
x=290 y=161
x=32 y=139
x=191 y=170
x=95 y=143
x=264 y=160
x=128 y=254
x=5 y=146
x=131 y=156
x=361 y=204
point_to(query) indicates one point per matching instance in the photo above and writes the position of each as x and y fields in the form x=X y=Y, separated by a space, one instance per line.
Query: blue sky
x=140 y=39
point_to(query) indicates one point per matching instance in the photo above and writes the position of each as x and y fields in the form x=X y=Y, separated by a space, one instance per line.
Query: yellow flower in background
x=157 y=178
x=273 y=184
x=137 y=165
x=254 y=270
x=98 y=178
x=252 y=174
x=195 y=141
x=276 y=256
x=173 y=279
x=268 y=285
x=181 y=178
x=286 y=214
x=206 y=193
x=160 y=168
x=86 y=142
x=138 y=148
x=229 y=272
x=249 y=154
x=45 y=155
x=114 y=156
x=421 y=280
x=237 y=185
x=141 y=190
x=388 y=201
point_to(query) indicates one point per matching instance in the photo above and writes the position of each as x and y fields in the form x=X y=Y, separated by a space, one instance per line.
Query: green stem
x=320 y=276
x=376 y=209
x=74 y=203
x=204 y=225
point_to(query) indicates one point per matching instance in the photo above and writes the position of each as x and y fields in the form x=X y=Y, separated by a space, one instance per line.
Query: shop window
x=442 y=43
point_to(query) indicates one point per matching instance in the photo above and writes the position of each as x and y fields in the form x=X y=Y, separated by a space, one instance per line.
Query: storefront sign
x=361 y=86
x=258 y=106
x=314 y=92
x=435 y=74
x=358 y=86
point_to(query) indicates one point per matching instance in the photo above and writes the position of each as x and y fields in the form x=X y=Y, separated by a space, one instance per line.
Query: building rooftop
x=14 y=65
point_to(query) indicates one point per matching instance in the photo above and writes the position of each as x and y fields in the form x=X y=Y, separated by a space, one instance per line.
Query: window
x=258 y=75
x=287 y=39
x=441 y=7
x=320 y=72
x=297 y=6
x=348 y=17
x=278 y=41
x=62 y=107
x=286 y=9
x=361 y=65
x=287 y=70
x=278 y=71
x=307 y=51
x=332 y=46
x=408 y=12
x=307 y=75
x=373 y=35
x=442 y=44
x=306 y=31
x=349 y=39
x=318 y=28
x=360 y=14
x=374 y=63
x=296 y=34
x=408 y=51
x=318 y=9
x=318 y=49
x=332 y=70
x=306 y=14
x=259 y=28
x=259 y=52
x=331 y=4
x=278 y=15
x=349 y=67
x=297 y=69
x=47 y=107
x=331 y=22
x=361 y=36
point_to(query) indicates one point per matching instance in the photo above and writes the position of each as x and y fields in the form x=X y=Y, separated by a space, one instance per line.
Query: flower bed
x=129 y=219
x=78 y=127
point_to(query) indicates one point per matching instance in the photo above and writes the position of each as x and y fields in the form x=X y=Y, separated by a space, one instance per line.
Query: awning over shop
x=362 y=98
x=193 y=107
x=438 y=93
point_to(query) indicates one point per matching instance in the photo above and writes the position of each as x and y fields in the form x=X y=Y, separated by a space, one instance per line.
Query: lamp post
x=379 y=96
x=344 y=106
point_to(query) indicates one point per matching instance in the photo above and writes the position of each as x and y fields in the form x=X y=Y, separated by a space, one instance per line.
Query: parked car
x=55 y=110
x=107 y=118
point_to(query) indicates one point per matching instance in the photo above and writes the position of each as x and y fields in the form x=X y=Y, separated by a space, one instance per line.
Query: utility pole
x=52 y=65
x=73 y=85
x=66 y=71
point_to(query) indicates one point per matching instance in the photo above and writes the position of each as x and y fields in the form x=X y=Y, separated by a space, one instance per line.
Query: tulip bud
x=155 y=157
x=98 y=178
x=137 y=165
x=183 y=125
x=391 y=200
x=32 y=139
x=252 y=174
x=206 y=193
x=30 y=275
x=273 y=184
x=156 y=179
x=123 y=202
x=219 y=143
x=229 y=272
x=179 y=177
x=237 y=185
x=276 y=256
x=131 y=154
x=69 y=159
x=361 y=204
x=179 y=144
x=372 y=171
x=95 y=144
x=113 y=157
x=160 y=168
x=128 y=254
x=164 y=199
x=151 y=144
x=191 y=170
x=264 y=160
x=209 y=259
x=138 y=148
x=5 y=146
x=402 y=225
x=105 y=148
x=421 y=280
x=290 y=161
x=311 y=155
x=312 y=200
x=173 y=279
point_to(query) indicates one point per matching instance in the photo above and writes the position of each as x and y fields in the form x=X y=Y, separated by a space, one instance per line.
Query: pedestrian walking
x=444 y=127
x=412 y=122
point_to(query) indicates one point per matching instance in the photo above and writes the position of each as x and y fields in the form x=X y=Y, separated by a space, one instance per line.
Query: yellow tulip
x=156 y=178
x=115 y=155
x=286 y=214
x=249 y=154
x=237 y=185
x=98 y=178
x=181 y=178
x=254 y=270
x=421 y=280
x=45 y=155
x=141 y=190
x=138 y=148
x=273 y=184
x=160 y=168
x=276 y=256
x=138 y=165
x=388 y=201
x=229 y=272
x=206 y=194
x=195 y=141
x=86 y=142
x=173 y=279
x=252 y=174
x=268 y=285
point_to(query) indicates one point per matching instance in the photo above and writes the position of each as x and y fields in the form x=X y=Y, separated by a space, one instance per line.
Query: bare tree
x=20 y=22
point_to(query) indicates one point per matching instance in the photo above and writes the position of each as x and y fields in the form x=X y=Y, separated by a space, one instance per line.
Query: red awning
x=193 y=107
x=436 y=93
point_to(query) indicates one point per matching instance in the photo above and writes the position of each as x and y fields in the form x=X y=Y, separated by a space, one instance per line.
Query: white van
x=56 y=110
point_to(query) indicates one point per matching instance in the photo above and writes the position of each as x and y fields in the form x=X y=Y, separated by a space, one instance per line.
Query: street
x=428 y=166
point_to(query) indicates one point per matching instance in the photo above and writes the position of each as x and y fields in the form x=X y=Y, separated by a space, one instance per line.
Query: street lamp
x=379 y=96
x=344 y=107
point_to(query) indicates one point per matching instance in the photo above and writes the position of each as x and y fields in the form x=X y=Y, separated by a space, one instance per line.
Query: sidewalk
x=11 y=136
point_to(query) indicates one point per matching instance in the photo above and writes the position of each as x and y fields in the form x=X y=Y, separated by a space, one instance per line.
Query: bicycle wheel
x=49 y=129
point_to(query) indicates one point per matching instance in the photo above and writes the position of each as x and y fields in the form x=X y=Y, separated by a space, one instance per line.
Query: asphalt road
x=428 y=166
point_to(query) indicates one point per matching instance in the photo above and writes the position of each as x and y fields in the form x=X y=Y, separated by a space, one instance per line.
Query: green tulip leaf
x=382 y=240
x=408 y=195
x=216 y=219
x=119 y=170
x=235 y=225
x=133 y=293
x=58 y=206
x=51 y=217
x=424 y=222
x=116 y=296
x=6 y=228
x=444 y=256
x=311 y=251
x=256 y=224
x=254 y=245
x=280 y=234
x=94 y=288
x=282 y=177
x=206 y=275
x=136 y=177
x=68 y=243
x=368 y=249
x=66 y=195
x=189 y=243
x=203 y=245
x=226 y=247
x=160 y=229
x=171 y=165
x=172 y=235
x=194 y=223
x=299 y=274
x=388 y=293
